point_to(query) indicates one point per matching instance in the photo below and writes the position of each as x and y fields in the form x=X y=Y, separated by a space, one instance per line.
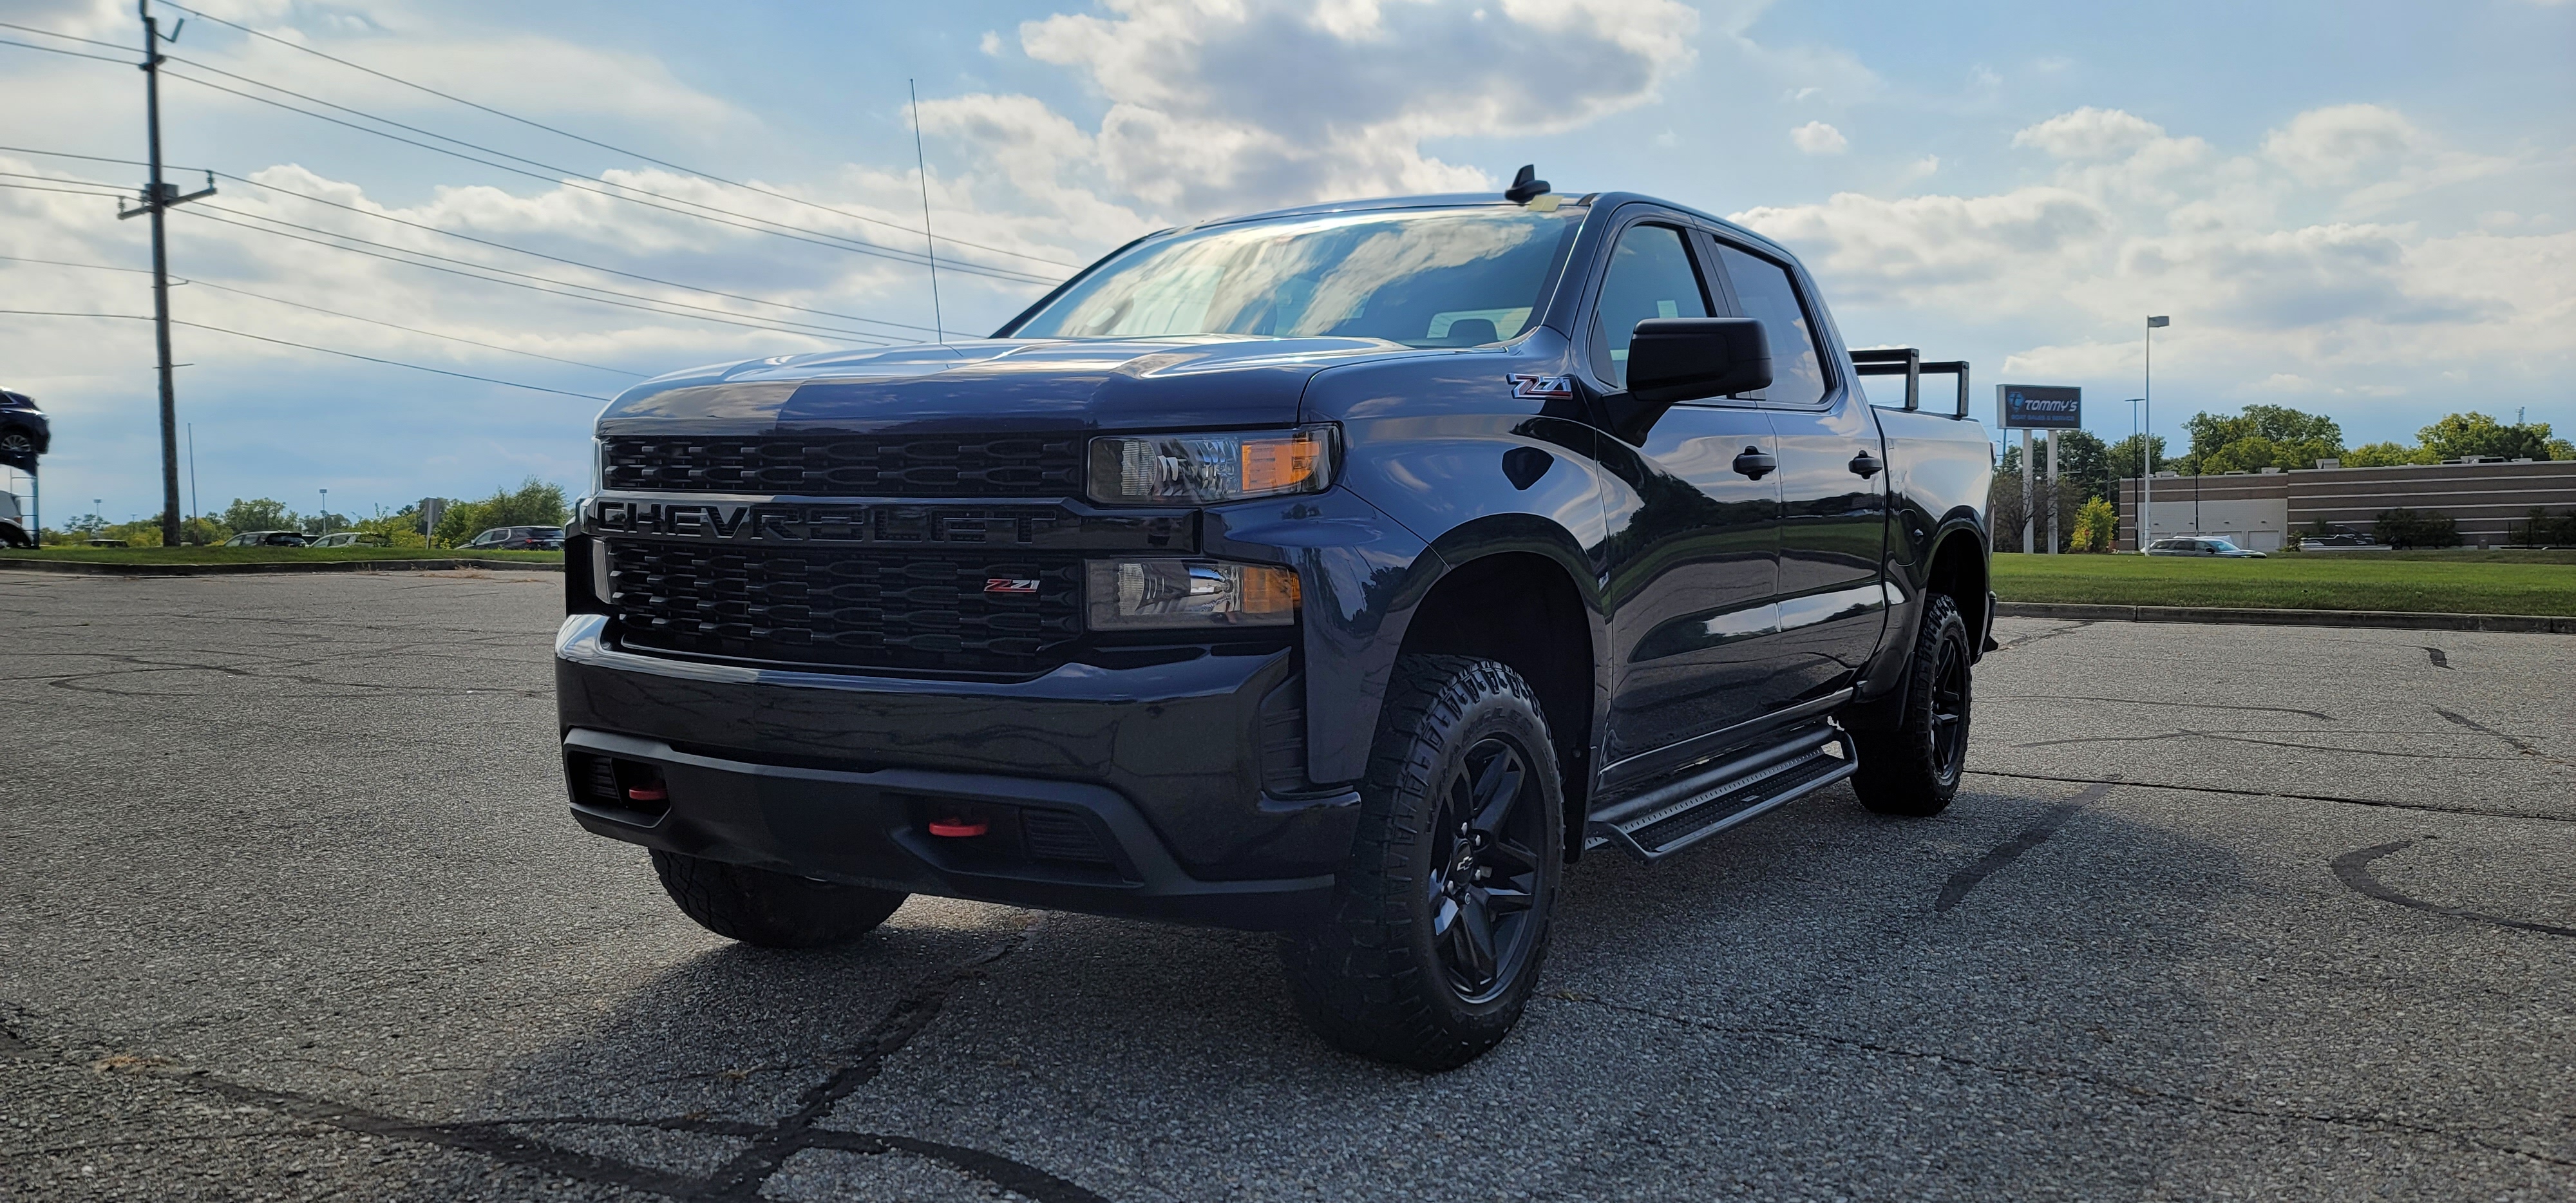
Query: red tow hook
x=647 y=793
x=957 y=828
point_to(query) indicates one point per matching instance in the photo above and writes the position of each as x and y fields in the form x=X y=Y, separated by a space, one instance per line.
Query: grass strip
x=2454 y=582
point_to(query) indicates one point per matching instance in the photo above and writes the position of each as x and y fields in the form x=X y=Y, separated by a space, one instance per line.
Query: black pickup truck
x=1346 y=571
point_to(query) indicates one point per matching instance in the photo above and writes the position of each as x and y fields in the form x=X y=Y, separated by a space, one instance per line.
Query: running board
x=1667 y=819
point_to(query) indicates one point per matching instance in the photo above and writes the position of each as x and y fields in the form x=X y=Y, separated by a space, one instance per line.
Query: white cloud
x=1220 y=105
x=990 y=43
x=2138 y=220
x=1818 y=138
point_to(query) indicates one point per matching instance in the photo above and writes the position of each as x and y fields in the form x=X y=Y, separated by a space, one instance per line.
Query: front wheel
x=771 y=910
x=1440 y=921
x=1913 y=768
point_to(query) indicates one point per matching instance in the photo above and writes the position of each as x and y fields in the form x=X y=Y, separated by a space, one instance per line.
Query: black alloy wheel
x=1485 y=879
x=1913 y=766
x=1950 y=710
x=1438 y=924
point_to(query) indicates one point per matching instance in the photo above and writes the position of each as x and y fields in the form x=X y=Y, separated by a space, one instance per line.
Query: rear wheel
x=772 y=910
x=1440 y=922
x=1913 y=768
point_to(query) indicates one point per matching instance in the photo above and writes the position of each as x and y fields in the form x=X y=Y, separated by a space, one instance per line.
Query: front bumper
x=835 y=776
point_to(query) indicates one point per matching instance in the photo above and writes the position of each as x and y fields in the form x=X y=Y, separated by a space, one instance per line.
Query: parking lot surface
x=292 y=909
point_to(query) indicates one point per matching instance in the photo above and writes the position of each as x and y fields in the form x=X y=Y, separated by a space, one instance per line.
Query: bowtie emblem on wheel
x=1525 y=384
x=1010 y=584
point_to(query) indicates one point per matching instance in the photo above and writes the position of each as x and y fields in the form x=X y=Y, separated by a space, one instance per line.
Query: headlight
x=1129 y=595
x=1196 y=469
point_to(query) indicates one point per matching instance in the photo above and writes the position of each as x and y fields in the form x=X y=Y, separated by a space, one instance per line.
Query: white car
x=351 y=538
x=2202 y=545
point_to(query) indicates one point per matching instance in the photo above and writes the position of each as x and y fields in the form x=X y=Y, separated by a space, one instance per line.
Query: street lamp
x=2138 y=444
x=2147 y=463
x=325 y=515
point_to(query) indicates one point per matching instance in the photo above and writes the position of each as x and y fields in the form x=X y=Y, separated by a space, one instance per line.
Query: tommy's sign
x=2039 y=407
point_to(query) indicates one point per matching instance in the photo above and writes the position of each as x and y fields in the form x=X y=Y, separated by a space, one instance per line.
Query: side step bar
x=1669 y=818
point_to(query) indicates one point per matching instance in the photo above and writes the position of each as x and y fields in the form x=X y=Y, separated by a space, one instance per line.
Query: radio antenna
x=938 y=327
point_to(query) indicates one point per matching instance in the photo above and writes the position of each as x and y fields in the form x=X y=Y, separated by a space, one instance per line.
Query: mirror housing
x=1675 y=359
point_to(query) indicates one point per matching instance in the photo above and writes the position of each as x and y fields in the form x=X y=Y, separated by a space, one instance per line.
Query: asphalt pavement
x=290 y=908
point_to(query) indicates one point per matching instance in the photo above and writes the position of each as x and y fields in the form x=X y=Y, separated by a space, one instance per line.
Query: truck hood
x=996 y=384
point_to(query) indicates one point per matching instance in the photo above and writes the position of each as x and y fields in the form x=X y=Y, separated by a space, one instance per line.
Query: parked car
x=352 y=538
x=267 y=538
x=25 y=433
x=2339 y=539
x=2202 y=545
x=13 y=523
x=518 y=538
x=1346 y=570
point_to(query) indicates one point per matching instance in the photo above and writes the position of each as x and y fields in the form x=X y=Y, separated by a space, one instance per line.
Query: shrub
x=2097 y=526
x=2403 y=528
x=2543 y=529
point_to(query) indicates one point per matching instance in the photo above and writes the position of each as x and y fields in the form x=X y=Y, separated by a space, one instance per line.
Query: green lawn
x=268 y=555
x=2457 y=582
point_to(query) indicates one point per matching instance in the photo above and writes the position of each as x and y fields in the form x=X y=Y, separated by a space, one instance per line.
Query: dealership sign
x=2039 y=407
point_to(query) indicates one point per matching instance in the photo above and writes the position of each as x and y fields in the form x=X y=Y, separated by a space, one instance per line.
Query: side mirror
x=1687 y=358
x=1673 y=359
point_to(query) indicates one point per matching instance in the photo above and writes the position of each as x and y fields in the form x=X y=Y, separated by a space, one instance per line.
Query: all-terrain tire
x=771 y=910
x=1392 y=972
x=1913 y=768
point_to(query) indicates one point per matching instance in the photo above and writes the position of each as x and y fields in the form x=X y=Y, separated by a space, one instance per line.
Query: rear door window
x=1765 y=292
x=1651 y=276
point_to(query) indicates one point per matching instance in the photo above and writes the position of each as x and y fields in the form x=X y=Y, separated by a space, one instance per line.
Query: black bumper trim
x=860 y=827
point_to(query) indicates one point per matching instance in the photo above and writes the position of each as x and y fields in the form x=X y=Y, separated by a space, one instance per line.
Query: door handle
x=1755 y=464
x=1865 y=465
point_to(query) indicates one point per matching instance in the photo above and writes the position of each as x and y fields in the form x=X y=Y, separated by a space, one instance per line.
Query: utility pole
x=158 y=196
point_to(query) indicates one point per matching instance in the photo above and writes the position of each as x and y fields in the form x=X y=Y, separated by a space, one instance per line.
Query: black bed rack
x=1908 y=362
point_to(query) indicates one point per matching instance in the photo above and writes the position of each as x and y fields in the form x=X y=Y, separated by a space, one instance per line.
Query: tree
x=533 y=503
x=2475 y=433
x=2263 y=436
x=2386 y=455
x=2097 y=526
x=259 y=514
x=2122 y=457
x=2403 y=528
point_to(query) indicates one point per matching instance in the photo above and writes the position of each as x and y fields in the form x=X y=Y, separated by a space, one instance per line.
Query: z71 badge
x=1549 y=388
x=1009 y=584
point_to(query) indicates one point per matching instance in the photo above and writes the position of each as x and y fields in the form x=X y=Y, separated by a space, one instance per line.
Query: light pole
x=325 y=516
x=2137 y=443
x=2147 y=461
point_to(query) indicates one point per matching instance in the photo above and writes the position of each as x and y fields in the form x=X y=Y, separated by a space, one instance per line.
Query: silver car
x=2201 y=545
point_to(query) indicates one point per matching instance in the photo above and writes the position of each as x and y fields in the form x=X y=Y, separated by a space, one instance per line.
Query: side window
x=1766 y=293
x=1650 y=276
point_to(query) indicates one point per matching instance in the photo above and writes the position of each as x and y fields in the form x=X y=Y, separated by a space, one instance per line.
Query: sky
x=2365 y=209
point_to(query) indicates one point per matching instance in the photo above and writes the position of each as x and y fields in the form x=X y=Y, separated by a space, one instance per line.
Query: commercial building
x=2263 y=510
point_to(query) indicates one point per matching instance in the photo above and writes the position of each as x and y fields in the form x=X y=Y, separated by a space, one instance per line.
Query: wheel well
x=1959 y=572
x=1523 y=610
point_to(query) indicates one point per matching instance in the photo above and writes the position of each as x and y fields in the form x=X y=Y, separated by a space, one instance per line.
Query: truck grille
x=850 y=465
x=908 y=609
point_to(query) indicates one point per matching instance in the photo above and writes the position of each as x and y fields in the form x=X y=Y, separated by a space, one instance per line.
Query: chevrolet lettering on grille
x=767 y=523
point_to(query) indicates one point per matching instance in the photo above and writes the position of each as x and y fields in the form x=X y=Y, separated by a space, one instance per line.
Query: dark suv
x=1347 y=571
x=518 y=538
x=24 y=431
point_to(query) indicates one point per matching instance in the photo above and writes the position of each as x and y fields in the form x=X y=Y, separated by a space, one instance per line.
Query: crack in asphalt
x=2353 y=870
x=2026 y=640
x=2225 y=737
x=2225 y=1106
x=2519 y=743
x=1965 y=880
x=741 y=1178
x=2478 y=812
x=2318 y=715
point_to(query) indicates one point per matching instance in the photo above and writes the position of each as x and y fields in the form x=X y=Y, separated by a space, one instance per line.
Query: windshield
x=1421 y=277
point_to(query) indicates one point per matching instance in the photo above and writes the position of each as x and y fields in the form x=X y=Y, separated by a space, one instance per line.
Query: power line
x=710 y=176
x=59 y=50
x=145 y=317
x=306 y=196
x=259 y=296
x=725 y=217
x=118 y=195
x=714 y=292
x=65 y=36
x=776 y=326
